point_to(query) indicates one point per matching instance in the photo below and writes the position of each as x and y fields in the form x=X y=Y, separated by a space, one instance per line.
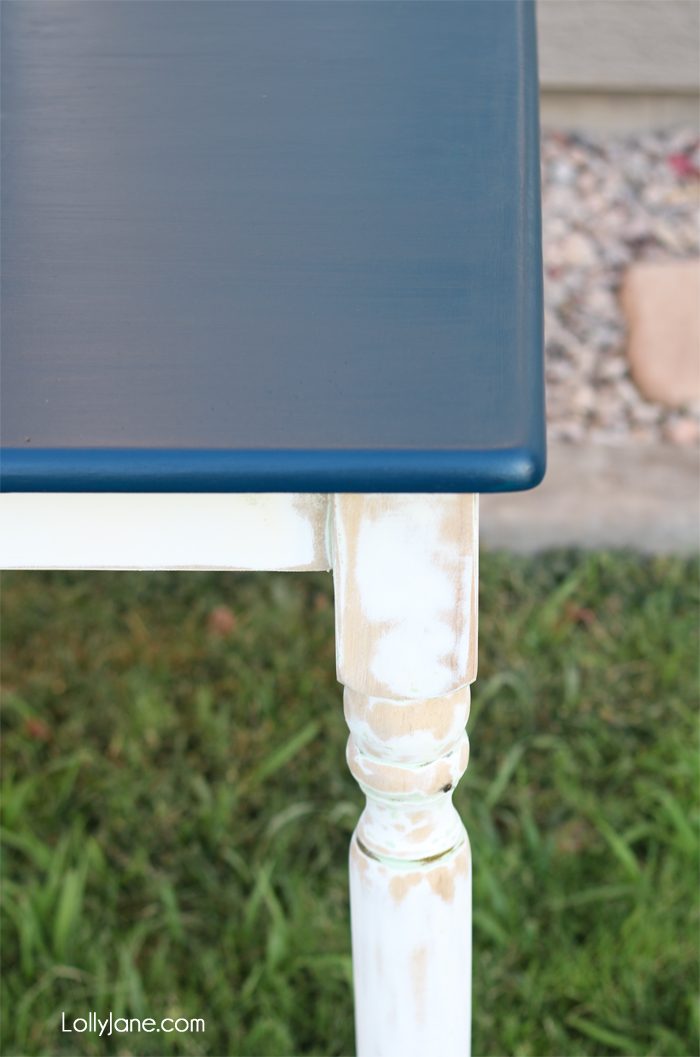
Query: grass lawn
x=177 y=810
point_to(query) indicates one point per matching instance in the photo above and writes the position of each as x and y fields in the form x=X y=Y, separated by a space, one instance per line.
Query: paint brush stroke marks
x=410 y=578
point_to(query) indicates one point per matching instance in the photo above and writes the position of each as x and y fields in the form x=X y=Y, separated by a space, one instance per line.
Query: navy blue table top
x=270 y=246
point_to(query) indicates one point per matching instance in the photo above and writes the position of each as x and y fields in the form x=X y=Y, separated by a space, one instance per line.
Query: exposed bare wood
x=405 y=593
x=405 y=571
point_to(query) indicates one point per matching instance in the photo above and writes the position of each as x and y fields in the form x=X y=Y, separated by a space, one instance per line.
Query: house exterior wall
x=619 y=63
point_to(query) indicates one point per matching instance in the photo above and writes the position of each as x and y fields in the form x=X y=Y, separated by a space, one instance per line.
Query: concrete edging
x=642 y=497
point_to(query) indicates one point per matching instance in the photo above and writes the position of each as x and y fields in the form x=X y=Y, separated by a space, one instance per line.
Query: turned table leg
x=405 y=571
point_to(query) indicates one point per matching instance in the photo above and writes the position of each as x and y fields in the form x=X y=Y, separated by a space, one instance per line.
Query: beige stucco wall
x=615 y=63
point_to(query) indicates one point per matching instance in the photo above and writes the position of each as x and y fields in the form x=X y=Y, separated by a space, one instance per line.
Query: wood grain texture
x=270 y=246
x=405 y=569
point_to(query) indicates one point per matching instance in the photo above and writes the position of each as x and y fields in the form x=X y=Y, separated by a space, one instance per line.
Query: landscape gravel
x=608 y=202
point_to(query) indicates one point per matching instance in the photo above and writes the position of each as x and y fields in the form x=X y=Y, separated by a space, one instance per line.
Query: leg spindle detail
x=405 y=574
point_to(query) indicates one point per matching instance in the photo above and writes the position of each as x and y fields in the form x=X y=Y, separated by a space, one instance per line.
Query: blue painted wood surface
x=270 y=246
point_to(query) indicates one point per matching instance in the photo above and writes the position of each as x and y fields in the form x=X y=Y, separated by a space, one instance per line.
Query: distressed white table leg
x=405 y=569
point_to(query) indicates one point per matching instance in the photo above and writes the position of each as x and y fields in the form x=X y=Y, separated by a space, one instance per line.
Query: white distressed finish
x=405 y=569
x=274 y=531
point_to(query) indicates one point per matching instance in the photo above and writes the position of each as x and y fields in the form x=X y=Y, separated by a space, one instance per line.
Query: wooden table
x=272 y=300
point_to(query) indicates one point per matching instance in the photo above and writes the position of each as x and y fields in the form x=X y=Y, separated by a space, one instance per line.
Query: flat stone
x=577 y=248
x=684 y=431
x=662 y=306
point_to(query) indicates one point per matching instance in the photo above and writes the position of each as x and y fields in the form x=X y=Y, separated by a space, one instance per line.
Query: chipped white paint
x=163 y=531
x=405 y=570
x=411 y=939
x=409 y=565
x=414 y=730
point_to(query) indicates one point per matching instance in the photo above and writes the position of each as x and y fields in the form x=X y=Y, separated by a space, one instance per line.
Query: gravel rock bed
x=608 y=202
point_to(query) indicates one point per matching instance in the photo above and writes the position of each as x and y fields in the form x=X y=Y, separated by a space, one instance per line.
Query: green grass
x=177 y=811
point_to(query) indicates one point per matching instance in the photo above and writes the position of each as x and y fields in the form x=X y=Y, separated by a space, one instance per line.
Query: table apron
x=164 y=531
